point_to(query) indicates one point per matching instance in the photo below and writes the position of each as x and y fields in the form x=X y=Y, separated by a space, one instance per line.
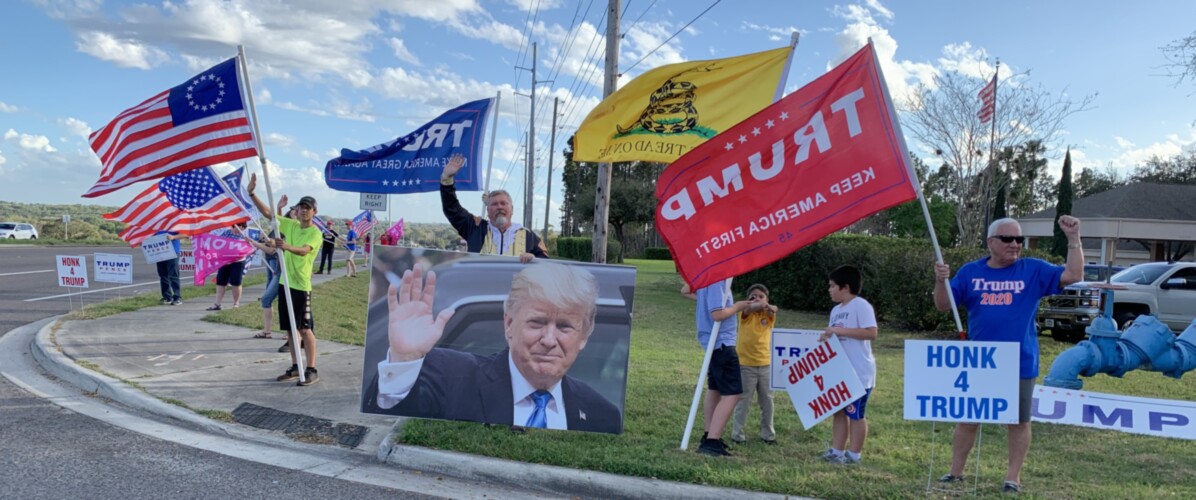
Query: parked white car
x=18 y=231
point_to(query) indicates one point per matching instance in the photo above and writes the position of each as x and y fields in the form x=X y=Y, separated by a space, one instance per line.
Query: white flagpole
x=693 y=408
x=934 y=240
x=793 y=39
x=296 y=344
x=493 y=131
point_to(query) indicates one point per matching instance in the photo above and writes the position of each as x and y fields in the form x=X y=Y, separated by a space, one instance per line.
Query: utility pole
x=529 y=176
x=602 y=189
x=551 y=153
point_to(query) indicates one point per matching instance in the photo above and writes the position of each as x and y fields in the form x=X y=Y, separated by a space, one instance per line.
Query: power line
x=673 y=36
x=633 y=23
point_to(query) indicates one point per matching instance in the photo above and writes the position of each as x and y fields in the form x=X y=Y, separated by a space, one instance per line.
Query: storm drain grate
x=299 y=426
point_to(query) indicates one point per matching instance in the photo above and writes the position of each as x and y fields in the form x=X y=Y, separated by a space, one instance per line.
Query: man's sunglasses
x=1021 y=240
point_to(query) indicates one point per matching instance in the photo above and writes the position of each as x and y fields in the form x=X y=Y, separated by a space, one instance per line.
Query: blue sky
x=354 y=73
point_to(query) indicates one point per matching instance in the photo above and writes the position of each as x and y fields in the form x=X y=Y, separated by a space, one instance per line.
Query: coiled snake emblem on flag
x=670 y=110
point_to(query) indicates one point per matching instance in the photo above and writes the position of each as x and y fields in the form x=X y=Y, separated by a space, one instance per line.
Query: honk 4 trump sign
x=954 y=381
x=816 y=161
x=822 y=382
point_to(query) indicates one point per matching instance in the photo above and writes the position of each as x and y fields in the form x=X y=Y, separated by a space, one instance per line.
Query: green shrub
x=657 y=253
x=898 y=277
x=582 y=249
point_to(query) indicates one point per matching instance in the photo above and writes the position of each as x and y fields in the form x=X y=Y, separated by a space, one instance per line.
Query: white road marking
x=29 y=272
x=98 y=290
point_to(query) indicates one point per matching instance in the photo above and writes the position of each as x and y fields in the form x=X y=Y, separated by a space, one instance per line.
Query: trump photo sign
x=955 y=381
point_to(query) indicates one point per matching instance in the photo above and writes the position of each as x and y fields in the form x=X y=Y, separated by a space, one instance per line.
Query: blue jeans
x=273 y=275
x=168 y=279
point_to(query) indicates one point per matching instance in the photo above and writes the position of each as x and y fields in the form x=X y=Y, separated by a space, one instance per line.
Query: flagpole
x=493 y=132
x=992 y=138
x=693 y=408
x=296 y=344
x=793 y=39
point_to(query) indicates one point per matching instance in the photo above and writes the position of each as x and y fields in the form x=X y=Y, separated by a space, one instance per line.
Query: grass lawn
x=1064 y=461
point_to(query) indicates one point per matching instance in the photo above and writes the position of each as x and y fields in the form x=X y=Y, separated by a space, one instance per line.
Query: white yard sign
x=113 y=268
x=72 y=271
x=158 y=248
x=955 y=381
x=822 y=382
x=787 y=346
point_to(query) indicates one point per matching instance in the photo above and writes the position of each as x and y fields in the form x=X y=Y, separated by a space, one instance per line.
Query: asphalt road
x=29 y=288
x=48 y=451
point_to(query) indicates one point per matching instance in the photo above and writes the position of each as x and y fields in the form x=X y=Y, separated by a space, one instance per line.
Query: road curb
x=47 y=355
x=557 y=480
x=550 y=479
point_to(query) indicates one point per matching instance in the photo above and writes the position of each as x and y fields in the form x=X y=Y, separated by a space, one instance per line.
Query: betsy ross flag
x=199 y=123
x=988 y=101
x=363 y=222
x=188 y=203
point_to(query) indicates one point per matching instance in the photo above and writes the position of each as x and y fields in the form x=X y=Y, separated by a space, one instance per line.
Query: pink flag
x=212 y=252
x=395 y=232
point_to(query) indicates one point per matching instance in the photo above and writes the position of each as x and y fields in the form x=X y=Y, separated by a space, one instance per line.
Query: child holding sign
x=854 y=322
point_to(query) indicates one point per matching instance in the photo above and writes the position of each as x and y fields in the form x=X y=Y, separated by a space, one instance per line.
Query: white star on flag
x=729 y=146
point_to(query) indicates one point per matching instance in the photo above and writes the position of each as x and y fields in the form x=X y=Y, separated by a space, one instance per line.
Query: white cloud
x=401 y=51
x=8 y=108
x=775 y=34
x=311 y=155
x=1122 y=142
x=75 y=126
x=963 y=59
x=39 y=143
x=280 y=140
x=880 y=9
x=901 y=76
x=125 y=52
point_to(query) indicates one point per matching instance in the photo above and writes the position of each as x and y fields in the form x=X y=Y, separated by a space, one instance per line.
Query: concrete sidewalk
x=151 y=358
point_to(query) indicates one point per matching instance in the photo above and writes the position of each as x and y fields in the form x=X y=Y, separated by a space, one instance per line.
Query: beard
x=502 y=221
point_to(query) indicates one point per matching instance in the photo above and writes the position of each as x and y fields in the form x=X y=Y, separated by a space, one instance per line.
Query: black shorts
x=303 y=314
x=230 y=274
x=723 y=375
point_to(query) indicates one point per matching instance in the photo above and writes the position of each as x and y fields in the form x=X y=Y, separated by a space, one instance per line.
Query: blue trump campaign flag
x=412 y=163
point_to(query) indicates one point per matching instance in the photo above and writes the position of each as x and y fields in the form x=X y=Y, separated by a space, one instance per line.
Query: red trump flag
x=814 y=162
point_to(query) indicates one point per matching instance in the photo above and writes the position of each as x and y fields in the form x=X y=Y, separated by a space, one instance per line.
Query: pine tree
x=1059 y=245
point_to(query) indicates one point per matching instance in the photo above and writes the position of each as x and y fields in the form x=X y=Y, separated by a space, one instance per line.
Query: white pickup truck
x=1164 y=290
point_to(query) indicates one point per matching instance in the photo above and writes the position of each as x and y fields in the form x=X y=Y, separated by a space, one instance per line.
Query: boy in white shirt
x=854 y=322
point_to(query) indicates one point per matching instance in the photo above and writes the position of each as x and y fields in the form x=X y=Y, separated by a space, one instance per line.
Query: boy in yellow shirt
x=755 y=338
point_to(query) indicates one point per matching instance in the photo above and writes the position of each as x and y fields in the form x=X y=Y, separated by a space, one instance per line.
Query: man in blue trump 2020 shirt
x=1001 y=294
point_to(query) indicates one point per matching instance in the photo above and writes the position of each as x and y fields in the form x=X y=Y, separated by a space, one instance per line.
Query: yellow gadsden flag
x=667 y=111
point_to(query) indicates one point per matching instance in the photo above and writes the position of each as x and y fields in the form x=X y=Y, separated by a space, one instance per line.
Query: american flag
x=988 y=101
x=319 y=222
x=188 y=203
x=199 y=123
x=363 y=222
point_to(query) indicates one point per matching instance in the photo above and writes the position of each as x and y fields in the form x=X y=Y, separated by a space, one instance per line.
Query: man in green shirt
x=299 y=242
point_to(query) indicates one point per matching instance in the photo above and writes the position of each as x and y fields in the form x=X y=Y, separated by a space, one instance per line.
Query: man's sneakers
x=948 y=478
x=1011 y=487
x=164 y=302
x=310 y=376
x=292 y=373
x=176 y=302
x=714 y=447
